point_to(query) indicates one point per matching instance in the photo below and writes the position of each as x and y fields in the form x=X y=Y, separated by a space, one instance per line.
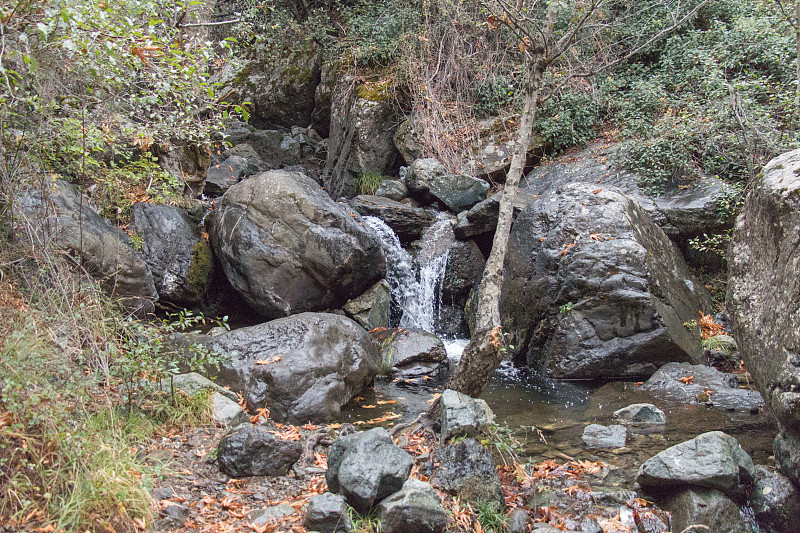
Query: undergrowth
x=69 y=432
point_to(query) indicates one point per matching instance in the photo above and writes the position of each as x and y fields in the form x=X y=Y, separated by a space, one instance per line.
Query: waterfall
x=416 y=292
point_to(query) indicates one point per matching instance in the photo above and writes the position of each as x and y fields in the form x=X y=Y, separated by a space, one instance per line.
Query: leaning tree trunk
x=485 y=350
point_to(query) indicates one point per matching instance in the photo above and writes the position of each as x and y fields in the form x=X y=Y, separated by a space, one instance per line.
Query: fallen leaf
x=271 y=360
x=688 y=380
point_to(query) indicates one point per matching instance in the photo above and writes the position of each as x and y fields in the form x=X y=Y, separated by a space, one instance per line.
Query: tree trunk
x=485 y=350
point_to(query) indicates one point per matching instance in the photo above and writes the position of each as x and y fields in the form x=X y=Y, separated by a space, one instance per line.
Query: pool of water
x=561 y=410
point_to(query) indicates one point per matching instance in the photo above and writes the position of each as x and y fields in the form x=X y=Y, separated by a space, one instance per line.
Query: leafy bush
x=569 y=118
x=494 y=95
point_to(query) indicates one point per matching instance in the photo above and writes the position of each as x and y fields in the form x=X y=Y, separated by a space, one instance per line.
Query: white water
x=417 y=293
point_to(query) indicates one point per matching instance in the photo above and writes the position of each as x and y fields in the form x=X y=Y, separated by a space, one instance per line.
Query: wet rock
x=371 y=309
x=312 y=364
x=594 y=289
x=641 y=413
x=226 y=412
x=428 y=180
x=406 y=221
x=366 y=467
x=763 y=300
x=410 y=352
x=250 y=450
x=416 y=508
x=286 y=247
x=666 y=384
x=468 y=470
x=712 y=460
x=597 y=436
x=57 y=209
x=393 y=189
x=708 y=507
x=775 y=501
x=463 y=415
x=328 y=513
x=179 y=258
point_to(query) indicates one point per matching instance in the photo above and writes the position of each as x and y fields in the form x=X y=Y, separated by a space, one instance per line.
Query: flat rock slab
x=666 y=384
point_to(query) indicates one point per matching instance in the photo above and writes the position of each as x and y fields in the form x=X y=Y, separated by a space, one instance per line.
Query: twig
x=198 y=24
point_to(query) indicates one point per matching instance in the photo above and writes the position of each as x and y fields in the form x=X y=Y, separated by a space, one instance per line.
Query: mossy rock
x=199 y=277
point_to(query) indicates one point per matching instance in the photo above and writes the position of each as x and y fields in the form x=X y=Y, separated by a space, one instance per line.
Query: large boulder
x=406 y=221
x=594 y=288
x=666 y=384
x=286 y=247
x=175 y=250
x=249 y=450
x=763 y=297
x=410 y=352
x=57 y=210
x=363 y=123
x=683 y=211
x=366 y=467
x=712 y=460
x=303 y=367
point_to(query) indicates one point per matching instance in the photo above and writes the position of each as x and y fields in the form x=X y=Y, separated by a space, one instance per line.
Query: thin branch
x=198 y=24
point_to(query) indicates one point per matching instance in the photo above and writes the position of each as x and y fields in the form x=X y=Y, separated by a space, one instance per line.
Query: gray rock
x=428 y=179
x=317 y=363
x=641 y=413
x=594 y=289
x=366 y=467
x=786 y=448
x=371 y=309
x=56 y=209
x=222 y=175
x=186 y=163
x=590 y=525
x=172 y=517
x=328 y=513
x=286 y=247
x=393 y=189
x=227 y=412
x=261 y=517
x=683 y=211
x=177 y=254
x=713 y=460
x=415 y=508
x=597 y=436
x=463 y=415
x=407 y=142
x=406 y=221
x=708 y=507
x=363 y=123
x=458 y=191
x=245 y=151
x=518 y=521
x=763 y=300
x=468 y=470
x=191 y=383
x=666 y=384
x=274 y=148
x=410 y=352
x=250 y=450
x=775 y=501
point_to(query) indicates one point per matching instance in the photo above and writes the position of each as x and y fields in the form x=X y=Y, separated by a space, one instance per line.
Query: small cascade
x=416 y=292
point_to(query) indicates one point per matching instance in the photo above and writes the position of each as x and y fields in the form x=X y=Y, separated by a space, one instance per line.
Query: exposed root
x=307 y=457
x=423 y=421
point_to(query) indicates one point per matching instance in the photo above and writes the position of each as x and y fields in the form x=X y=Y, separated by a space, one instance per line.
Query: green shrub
x=568 y=119
x=368 y=183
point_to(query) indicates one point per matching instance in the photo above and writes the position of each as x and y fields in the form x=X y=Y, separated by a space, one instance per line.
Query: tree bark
x=485 y=349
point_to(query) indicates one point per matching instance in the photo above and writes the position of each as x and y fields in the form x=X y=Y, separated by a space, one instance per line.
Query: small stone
x=328 y=513
x=641 y=413
x=518 y=521
x=226 y=412
x=261 y=517
x=415 y=508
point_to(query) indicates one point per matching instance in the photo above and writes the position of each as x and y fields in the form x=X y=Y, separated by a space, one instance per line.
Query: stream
x=547 y=417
